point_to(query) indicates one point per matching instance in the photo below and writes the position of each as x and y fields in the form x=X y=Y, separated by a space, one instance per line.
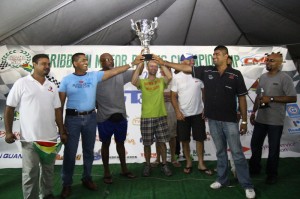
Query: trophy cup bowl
x=144 y=29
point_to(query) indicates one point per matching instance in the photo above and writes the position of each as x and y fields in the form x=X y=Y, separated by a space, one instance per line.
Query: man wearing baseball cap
x=186 y=98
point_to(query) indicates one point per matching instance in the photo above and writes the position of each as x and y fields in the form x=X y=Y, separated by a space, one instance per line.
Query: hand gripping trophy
x=144 y=29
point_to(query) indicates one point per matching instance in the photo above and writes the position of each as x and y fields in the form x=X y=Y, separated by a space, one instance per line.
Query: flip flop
x=128 y=175
x=206 y=171
x=176 y=164
x=187 y=170
x=107 y=179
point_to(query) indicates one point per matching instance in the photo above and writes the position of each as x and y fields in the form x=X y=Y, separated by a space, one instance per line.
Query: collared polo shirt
x=221 y=92
x=37 y=104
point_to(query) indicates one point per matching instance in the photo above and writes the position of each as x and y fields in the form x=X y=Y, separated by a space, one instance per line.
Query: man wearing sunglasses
x=278 y=90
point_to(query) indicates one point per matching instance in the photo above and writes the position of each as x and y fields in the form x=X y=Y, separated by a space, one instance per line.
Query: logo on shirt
x=210 y=77
x=82 y=84
x=231 y=76
x=50 y=89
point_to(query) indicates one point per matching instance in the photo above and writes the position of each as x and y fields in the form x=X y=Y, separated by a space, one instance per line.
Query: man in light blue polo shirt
x=80 y=89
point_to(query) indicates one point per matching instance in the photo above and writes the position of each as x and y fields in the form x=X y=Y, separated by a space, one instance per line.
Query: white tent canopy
x=181 y=22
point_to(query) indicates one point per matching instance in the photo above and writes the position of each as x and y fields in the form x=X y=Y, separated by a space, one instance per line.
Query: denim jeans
x=259 y=134
x=223 y=133
x=76 y=125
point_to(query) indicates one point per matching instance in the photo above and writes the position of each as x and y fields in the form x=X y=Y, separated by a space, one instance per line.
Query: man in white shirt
x=186 y=98
x=39 y=108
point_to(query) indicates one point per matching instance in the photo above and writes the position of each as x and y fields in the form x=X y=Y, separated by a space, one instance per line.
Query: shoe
x=216 y=185
x=66 y=192
x=165 y=169
x=250 y=193
x=154 y=164
x=89 y=184
x=271 y=180
x=147 y=170
x=50 y=196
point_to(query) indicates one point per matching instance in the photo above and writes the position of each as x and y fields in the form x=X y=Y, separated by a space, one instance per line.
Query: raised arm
x=135 y=80
x=110 y=73
x=180 y=67
x=168 y=74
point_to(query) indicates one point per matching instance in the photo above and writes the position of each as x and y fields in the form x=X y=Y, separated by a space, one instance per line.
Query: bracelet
x=244 y=122
x=131 y=65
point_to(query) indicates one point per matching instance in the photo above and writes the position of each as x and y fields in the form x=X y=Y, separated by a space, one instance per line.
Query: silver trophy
x=144 y=28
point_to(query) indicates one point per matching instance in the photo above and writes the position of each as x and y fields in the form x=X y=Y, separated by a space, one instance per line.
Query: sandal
x=187 y=170
x=206 y=171
x=175 y=163
x=107 y=179
x=128 y=174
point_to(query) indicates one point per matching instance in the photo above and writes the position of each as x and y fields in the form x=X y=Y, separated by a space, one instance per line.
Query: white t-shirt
x=189 y=93
x=37 y=104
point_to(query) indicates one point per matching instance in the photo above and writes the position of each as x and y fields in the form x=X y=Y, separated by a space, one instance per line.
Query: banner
x=16 y=63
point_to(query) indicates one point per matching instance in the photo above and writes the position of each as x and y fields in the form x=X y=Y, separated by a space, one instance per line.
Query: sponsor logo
x=16 y=58
x=61 y=157
x=293 y=110
x=294 y=130
x=134 y=96
x=296 y=123
x=245 y=149
x=136 y=121
x=11 y=155
x=283 y=147
x=257 y=59
x=152 y=155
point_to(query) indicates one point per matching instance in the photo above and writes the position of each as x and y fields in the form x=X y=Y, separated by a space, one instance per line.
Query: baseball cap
x=187 y=56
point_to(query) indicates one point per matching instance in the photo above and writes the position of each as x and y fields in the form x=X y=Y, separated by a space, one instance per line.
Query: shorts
x=157 y=127
x=108 y=128
x=195 y=123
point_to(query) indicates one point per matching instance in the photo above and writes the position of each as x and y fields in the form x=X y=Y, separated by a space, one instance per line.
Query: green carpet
x=180 y=185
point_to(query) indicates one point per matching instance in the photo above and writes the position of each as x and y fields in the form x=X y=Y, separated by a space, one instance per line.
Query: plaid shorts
x=157 y=127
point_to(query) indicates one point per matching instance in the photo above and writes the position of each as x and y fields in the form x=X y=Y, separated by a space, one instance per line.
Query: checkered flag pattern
x=53 y=80
x=3 y=65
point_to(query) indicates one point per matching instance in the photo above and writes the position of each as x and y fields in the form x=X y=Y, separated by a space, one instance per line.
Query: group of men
x=41 y=105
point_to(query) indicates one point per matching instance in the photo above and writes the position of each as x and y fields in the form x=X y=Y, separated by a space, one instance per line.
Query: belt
x=74 y=112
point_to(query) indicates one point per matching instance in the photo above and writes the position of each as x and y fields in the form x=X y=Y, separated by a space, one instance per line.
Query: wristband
x=244 y=122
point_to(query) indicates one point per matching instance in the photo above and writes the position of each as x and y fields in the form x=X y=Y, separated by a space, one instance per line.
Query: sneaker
x=250 y=193
x=216 y=185
x=147 y=170
x=165 y=169
x=89 y=184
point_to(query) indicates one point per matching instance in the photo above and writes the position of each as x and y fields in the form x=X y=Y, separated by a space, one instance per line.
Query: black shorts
x=194 y=123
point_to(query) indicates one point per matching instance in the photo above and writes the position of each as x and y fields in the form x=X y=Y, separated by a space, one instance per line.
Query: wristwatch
x=272 y=99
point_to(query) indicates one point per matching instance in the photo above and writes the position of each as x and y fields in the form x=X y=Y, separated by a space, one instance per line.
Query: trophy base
x=148 y=57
